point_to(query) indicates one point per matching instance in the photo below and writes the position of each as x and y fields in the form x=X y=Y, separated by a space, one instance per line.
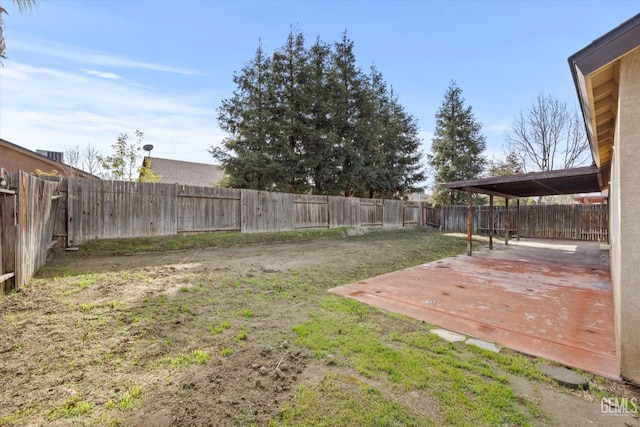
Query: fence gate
x=411 y=215
x=8 y=239
x=27 y=220
x=432 y=216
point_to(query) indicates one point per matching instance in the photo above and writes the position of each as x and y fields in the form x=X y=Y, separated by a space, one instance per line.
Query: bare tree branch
x=91 y=160
x=547 y=136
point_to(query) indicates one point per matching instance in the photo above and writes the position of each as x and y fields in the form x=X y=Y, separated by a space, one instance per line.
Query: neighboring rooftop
x=187 y=173
x=14 y=158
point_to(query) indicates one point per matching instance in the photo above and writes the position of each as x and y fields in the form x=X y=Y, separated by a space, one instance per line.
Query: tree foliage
x=147 y=174
x=309 y=120
x=548 y=136
x=510 y=165
x=457 y=147
x=124 y=163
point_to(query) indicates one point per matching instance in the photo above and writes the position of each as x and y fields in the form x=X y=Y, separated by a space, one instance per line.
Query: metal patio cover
x=550 y=183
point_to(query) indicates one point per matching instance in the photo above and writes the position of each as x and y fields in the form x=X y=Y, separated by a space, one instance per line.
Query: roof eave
x=601 y=53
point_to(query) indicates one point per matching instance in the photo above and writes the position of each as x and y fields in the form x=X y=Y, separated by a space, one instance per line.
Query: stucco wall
x=13 y=161
x=614 y=236
x=625 y=250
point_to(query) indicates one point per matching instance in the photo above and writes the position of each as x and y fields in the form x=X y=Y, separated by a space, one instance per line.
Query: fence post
x=506 y=221
x=490 y=221
x=71 y=196
x=518 y=219
x=469 y=223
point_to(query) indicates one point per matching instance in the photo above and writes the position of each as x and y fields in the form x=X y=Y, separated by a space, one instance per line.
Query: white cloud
x=44 y=108
x=86 y=56
x=499 y=127
x=101 y=74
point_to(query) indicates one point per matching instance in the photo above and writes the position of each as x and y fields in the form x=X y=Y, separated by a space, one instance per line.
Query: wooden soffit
x=596 y=74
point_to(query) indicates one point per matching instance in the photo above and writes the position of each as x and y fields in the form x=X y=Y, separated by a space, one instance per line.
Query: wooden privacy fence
x=35 y=212
x=577 y=222
x=27 y=218
x=113 y=209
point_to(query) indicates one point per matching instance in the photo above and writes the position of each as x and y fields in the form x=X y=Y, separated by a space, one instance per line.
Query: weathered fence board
x=311 y=211
x=432 y=216
x=398 y=213
x=264 y=211
x=454 y=218
x=371 y=212
x=594 y=223
x=411 y=214
x=205 y=209
x=573 y=222
x=36 y=219
x=393 y=213
x=345 y=212
x=60 y=226
x=115 y=209
x=8 y=239
x=87 y=209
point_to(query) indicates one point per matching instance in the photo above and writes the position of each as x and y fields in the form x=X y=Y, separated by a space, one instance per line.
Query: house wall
x=13 y=161
x=625 y=255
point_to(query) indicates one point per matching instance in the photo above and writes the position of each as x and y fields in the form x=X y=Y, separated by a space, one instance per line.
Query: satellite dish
x=148 y=149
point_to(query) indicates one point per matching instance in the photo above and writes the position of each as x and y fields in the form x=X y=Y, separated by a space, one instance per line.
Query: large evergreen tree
x=310 y=121
x=320 y=144
x=289 y=78
x=247 y=117
x=457 y=147
x=345 y=88
x=392 y=166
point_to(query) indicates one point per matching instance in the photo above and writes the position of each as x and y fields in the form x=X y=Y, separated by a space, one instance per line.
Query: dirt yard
x=220 y=336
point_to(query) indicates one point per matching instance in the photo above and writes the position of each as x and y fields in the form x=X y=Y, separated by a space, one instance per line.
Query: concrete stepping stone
x=565 y=377
x=483 y=344
x=448 y=335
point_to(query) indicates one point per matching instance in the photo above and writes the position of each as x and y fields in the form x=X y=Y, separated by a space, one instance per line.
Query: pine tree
x=310 y=121
x=320 y=142
x=247 y=117
x=392 y=166
x=456 y=147
x=402 y=152
x=345 y=86
x=289 y=78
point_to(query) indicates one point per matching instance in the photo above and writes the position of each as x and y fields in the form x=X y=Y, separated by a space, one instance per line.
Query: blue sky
x=81 y=72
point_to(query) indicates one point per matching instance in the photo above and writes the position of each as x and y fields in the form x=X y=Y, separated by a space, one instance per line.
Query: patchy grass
x=70 y=408
x=471 y=387
x=199 y=241
x=194 y=342
x=129 y=399
x=218 y=328
x=340 y=400
x=195 y=357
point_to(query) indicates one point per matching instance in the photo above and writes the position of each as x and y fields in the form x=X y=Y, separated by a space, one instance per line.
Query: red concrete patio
x=545 y=298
